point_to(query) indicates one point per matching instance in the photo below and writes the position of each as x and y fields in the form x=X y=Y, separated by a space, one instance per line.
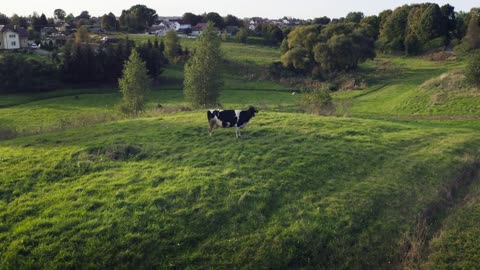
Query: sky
x=304 y=9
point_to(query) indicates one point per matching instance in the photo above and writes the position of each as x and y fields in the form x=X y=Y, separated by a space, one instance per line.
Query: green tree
x=43 y=20
x=323 y=20
x=192 y=18
x=373 y=23
x=109 y=22
x=4 y=19
x=412 y=44
x=472 y=37
x=84 y=15
x=242 y=35
x=449 y=16
x=20 y=21
x=431 y=24
x=393 y=31
x=59 y=14
x=138 y=18
x=82 y=35
x=354 y=17
x=231 y=20
x=202 y=72
x=134 y=85
x=172 y=46
x=216 y=19
x=473 y=69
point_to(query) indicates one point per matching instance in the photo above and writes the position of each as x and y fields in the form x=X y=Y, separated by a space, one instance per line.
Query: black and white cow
x=229 y=118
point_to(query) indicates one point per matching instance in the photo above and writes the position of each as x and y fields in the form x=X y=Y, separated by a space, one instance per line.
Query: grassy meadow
x=390 y=183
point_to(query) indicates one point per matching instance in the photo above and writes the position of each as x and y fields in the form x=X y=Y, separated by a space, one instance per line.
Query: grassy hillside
x=395 y=89
x=382 y=189
x=297 y=191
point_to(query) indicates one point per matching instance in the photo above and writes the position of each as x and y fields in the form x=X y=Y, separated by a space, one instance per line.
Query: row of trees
x=217 y=20
x=322 y=50
x=202 y=76
x=421 y=27
x=91 y=62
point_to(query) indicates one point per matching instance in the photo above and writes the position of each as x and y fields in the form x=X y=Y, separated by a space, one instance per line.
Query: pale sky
x=305 y=9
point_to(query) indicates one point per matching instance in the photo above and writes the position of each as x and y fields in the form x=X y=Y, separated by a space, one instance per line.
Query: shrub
x=317 y=101
x=473 y=70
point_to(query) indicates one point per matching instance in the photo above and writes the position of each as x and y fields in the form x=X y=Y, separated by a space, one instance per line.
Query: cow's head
x=252 y=110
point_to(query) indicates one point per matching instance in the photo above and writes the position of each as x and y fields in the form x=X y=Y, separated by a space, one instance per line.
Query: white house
x=9 y=40
x=198 y=29
x=181 y=25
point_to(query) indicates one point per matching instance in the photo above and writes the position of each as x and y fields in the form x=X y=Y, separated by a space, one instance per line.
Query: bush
x=436 y=43
x=18 y=74
x=473 y=70
x=317 y=101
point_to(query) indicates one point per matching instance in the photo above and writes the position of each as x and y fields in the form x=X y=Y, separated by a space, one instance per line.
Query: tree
x=393 y=31
x=43 y=20
x=431 y=24
x=412 y=44
x=215 y=18
x=202 y=72
x=354 y=17
x=59 y=14
x=153 y=58
x=17 y=74
x=83 y=15
x=192 y=18
x=70 y=19
x=472 y=37
x=4 y=19
x=326 y=50
x=82 y=35
x=323 y=20
x=138 y=18
x=473 y=70
x=109 y=22
x=172 y=46
x=242 y=35
x=449 y=16
x=231 y=20
x=134 y=85
x=461 y=23
x=373 y=22
x=20 y=21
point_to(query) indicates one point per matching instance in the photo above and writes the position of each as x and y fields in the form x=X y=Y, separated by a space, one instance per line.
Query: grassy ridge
x=51 y=112
x=299 y=191
x=399 y=92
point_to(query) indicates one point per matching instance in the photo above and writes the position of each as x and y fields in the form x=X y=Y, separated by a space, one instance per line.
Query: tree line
x=83 y=61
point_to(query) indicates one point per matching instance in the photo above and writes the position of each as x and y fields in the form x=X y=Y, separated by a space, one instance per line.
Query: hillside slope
x=296 y=191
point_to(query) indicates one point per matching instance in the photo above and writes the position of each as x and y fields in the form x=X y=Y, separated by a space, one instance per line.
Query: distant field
x=252 y=54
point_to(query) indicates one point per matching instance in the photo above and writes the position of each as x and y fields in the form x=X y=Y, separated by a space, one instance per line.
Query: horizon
x=242 y=10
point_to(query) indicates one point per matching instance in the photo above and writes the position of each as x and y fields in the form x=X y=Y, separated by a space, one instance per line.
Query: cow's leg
x=211 y=126
x=238 y=132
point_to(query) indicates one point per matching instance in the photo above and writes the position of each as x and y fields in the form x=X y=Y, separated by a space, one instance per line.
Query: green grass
x=297 y=191
x=235 y=52
x=399 y=93
x=42 y=114
x=458 y=244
